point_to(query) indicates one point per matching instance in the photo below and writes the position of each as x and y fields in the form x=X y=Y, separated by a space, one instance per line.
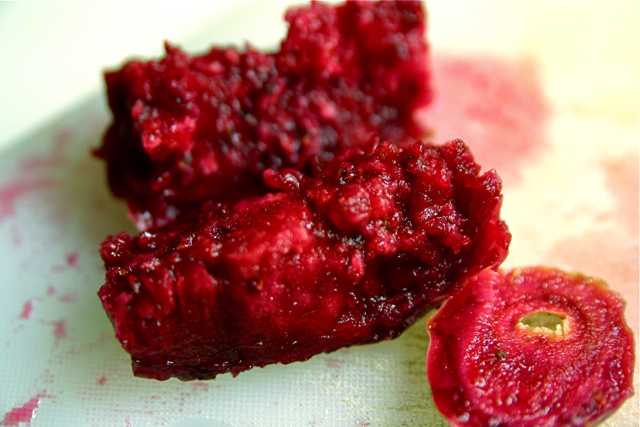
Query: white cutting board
x=545 y=92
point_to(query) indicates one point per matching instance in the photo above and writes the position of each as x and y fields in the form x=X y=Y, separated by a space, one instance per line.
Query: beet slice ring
x=530 y=347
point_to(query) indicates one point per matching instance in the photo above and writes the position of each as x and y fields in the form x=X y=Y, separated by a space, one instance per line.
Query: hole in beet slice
x=554 y=324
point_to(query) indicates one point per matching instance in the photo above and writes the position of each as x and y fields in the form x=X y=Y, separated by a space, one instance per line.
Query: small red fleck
x=27 y=309
x=61 y=138
x=51 y=291
x=60 y=331
x=102 y=380
x=68 y=298
x=200 y=386
x=72 y=259
x=333 y=363
x=17 y=238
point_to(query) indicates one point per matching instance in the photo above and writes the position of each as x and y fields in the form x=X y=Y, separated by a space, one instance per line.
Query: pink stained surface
x=60 y=331
x=55 y=158
x=622 y=180
x=72 y=259
x=13 y=192
x=23 y=414
x=200 y=386
x=497 y=107
x=68 y=298
x=611 y=253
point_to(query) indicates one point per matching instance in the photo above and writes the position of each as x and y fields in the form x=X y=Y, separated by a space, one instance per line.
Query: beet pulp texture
x=492 y=361
x=353 y=255
x=188 y=129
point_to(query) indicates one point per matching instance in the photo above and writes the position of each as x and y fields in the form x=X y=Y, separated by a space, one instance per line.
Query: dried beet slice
x=192 y=128
x=351 y=256
x=530 y=347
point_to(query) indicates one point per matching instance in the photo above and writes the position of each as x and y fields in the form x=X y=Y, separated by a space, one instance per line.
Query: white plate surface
x=552 y=86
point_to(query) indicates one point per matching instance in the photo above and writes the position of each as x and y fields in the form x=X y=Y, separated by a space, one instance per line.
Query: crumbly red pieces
x=187 y=129
x=353 y=255
x=493 y=362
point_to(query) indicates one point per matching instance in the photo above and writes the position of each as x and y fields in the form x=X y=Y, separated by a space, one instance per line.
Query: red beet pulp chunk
x=188 y=129
x=534 y=347
x=351 y=256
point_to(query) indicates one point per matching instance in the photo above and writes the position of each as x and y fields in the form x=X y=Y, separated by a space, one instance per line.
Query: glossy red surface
x=353 y=255
x=488 y=365
x=187 y=129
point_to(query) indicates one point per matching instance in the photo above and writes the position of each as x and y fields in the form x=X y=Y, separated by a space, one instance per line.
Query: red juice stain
x=200 y=386
x=11 y=193
x=495 y=106
x=27 y=309
x=17 y=237
x=53 y=159
x=67 y=298
x=58 y=268
x=61 y=139
x=622 y=180
x=31 y=164
x=611 y=254
x=23 y=414
x=71 y=262
x=102 y=380
x=60 y=329
x=333 y=363
x=72 y=259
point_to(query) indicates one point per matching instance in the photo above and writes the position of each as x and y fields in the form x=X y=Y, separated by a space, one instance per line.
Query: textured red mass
x=352 y=255
x=492 y=361
x=187 y=129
